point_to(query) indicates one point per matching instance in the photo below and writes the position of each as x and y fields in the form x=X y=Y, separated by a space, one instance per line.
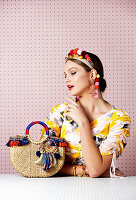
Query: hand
x=119 y=173
x=86 y=171
x=76 y=112
x=79 y=170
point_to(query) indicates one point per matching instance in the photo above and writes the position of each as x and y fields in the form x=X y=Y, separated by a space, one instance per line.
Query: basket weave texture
x=23 y=160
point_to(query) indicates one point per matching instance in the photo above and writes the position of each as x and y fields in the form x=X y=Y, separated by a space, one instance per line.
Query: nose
x=67 y=79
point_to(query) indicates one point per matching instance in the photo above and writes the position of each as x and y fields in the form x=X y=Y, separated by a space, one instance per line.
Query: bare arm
x=96 y=163
x=91 y=153
x=67 y=170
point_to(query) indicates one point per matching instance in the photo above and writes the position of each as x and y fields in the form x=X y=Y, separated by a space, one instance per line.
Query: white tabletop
x=14 y=186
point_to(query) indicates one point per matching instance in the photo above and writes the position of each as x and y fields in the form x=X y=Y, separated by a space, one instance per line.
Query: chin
x=75 y=94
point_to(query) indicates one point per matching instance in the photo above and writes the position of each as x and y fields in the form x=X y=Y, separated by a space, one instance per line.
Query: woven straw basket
x=23 y=157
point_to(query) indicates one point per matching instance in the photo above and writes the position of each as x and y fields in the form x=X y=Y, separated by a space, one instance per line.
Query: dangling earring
x=94 y=87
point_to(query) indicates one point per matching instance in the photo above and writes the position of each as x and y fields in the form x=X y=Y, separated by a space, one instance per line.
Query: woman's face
x=76 y=76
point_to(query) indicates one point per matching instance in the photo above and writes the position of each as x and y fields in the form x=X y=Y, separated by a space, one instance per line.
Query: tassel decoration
x=44 y=161
x=17 y=141
x=54 y=161
x=49 y=159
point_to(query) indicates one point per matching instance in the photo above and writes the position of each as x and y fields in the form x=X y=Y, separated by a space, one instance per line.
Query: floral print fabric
x=109 y=132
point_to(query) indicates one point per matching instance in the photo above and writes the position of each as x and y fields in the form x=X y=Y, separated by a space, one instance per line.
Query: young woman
x=94 y=129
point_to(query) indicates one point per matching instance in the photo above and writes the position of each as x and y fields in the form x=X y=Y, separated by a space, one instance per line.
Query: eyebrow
x=71 y=68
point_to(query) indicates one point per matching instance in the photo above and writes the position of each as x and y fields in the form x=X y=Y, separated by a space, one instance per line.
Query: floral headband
x=78 y=54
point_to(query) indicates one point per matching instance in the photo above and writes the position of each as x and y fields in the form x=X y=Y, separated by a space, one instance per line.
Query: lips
x=70 y=86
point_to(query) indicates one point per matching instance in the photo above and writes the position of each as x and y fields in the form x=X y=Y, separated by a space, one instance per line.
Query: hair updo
x=97 y=65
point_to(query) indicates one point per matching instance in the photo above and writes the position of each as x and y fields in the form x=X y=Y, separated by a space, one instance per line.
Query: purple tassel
x=44 y=161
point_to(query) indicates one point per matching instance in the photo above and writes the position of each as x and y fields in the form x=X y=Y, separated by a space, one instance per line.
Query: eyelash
x=72 y=73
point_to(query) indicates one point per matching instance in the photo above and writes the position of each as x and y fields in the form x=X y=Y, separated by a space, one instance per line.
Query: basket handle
x=46 y=129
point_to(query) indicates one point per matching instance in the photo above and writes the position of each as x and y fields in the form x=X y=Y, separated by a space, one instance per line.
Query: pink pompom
x=96 y=83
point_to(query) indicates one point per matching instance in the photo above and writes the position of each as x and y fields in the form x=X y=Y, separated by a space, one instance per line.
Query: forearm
x=67 y=170
x=91 y=153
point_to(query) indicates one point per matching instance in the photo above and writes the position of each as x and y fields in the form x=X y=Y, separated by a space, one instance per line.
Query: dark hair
x=97 y=65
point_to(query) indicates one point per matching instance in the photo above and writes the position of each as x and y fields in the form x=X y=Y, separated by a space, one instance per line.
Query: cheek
x=81 y=80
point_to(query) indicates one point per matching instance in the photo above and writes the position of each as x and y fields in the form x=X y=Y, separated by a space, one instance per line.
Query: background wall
x=35 y=38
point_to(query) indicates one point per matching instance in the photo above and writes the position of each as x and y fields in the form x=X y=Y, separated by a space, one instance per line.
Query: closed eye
x=72 y=74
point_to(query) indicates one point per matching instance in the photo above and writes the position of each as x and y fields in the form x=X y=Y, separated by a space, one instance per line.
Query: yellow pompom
x=75 y=56
x=98 y=76
x=80 y=57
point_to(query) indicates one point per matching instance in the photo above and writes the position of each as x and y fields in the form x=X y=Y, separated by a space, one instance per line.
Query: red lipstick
x=70 y=86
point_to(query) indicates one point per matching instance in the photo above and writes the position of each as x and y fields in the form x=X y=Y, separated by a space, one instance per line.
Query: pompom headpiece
x=78 y=54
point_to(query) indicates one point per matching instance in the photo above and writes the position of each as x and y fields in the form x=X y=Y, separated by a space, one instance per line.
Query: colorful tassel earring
x=94 y=87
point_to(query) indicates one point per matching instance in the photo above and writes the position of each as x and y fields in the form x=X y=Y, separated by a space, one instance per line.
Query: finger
x=67 y=109
x=71 y=106
x=72 y=101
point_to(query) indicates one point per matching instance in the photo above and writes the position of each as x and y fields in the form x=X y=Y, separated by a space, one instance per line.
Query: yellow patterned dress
x=109 y=132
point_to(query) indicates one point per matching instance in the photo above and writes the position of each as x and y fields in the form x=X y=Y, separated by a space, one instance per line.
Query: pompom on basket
x=37 y=158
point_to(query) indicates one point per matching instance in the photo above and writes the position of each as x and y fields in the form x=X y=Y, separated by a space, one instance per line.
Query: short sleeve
x=116 y=139
x=54 y=122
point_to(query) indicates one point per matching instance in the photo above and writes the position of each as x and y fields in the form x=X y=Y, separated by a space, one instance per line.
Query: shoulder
x=120 y=114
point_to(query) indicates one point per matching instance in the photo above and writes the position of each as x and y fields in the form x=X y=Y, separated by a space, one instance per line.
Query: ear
x=93 y=74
